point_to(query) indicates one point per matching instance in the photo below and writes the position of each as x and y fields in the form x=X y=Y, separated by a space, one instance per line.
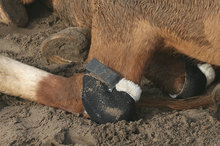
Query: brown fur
x=75 y=12
x=166 y=69
x=126 y=35
x=60 y=92
x=130 y=30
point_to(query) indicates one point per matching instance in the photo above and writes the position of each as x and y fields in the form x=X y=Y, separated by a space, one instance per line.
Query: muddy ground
x=26 y=123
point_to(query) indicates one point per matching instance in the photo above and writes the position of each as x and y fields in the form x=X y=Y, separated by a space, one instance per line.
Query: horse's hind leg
x=166 y=70
x=178 y=76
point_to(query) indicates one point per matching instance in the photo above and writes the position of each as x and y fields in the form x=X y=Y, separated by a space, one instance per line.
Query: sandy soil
x=26 y=123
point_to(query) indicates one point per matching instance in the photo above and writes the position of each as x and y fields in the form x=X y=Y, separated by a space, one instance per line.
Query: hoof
x=196 y=80
x=67 y=46
x=103 y=105
x=12 y=12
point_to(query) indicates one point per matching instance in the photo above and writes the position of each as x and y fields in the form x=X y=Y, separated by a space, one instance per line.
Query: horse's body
x=191 y=27
x=135 y=32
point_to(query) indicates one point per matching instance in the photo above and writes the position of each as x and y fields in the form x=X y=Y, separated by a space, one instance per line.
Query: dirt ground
x=26 y=123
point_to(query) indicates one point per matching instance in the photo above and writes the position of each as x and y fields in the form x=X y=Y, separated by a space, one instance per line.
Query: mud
x=26 y=123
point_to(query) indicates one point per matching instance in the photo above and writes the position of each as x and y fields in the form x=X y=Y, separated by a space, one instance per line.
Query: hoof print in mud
x=104 y=105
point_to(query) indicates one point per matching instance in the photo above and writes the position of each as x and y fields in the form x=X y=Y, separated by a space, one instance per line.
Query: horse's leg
x=13 y=12
x=33 y=84
x=75 y=13
x=125 y=55
x=177 y=75
x=70 y=45
x=167 y=70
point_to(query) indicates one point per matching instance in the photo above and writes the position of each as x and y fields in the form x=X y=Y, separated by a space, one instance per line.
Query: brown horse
x=133 y=38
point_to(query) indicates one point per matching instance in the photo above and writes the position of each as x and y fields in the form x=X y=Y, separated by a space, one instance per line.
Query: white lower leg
x=129 y=87
x=19 y=79
x=208 y=71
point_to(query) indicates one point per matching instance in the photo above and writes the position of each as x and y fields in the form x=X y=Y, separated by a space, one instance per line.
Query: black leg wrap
x=195 y=81
x=103 y=105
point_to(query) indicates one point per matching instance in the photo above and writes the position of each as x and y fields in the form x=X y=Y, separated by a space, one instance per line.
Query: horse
x=175 y=44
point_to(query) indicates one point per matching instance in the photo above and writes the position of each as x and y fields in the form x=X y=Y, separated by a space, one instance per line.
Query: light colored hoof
x=12 y=12
x=67 y=46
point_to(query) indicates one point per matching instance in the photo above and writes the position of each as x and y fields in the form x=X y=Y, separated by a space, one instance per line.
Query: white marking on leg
x=173 y=95
x=129 y=87
x=208 y=71
x=19 y=79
